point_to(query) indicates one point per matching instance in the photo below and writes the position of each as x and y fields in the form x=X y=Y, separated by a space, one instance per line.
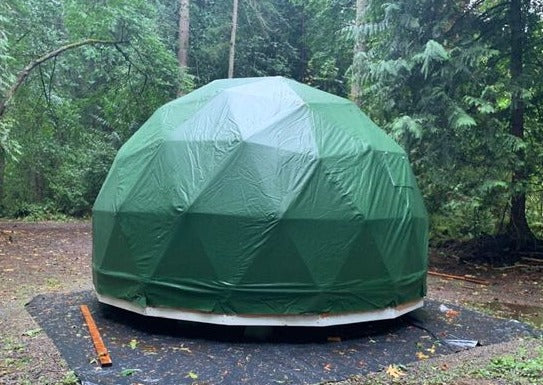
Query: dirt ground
x=55 y=257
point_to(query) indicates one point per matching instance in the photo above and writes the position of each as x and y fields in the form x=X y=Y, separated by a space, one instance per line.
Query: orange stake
x=103 y=355
x=467 y=279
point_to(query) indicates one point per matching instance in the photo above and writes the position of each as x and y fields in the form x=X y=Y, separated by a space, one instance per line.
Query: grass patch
x=523 y=367
x=53 y=284
x=32 y=332
x=516 y=369
x=69 y=379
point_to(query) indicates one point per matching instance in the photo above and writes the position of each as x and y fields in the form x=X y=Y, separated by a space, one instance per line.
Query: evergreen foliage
x=437 y=75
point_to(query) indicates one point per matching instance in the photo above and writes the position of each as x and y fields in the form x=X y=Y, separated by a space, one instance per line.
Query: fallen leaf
x=422 y=356
x=133 y=344
x=185 y=349
x=394 y=371
x=452 y=313
x=432 y=349
x=192 y=375
x=128 y=372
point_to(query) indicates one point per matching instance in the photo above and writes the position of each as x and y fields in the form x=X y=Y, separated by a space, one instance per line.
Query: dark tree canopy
x=457 y=83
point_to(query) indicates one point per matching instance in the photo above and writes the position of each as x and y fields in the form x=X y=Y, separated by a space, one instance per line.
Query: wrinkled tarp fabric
x=260 y=196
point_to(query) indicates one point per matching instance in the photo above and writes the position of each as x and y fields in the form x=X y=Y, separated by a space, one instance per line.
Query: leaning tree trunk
x=2 y=169
x=232 y=51
x=518 y=225
x=359 y=48
x=184 y=31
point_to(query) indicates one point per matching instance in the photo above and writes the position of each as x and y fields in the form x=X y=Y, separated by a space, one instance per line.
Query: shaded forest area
x=458 y=84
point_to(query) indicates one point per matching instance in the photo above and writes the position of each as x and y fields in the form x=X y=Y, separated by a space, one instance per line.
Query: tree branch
x=52 y=76
x=34 y=63
x=44 y=89
x=127 y=58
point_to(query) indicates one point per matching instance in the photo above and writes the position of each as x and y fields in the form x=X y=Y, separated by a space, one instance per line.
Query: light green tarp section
x=260 y=196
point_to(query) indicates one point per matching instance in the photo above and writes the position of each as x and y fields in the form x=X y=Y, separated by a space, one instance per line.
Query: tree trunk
x=518 y=225
x=359 y=48
x=2 y=170
x=183 y=42
x=232 y=51
x=303 y=50
x=184 y=28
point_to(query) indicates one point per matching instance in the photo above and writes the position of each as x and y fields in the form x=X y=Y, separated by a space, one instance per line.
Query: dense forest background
x=459 y=83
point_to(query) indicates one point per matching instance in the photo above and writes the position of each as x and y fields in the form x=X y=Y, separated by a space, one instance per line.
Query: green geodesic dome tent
x=261 y=201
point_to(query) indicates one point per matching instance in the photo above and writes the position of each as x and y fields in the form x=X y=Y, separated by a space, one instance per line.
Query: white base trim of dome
x=265 y=320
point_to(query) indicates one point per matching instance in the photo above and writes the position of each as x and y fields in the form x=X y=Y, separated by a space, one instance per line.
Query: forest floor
x=37 y=258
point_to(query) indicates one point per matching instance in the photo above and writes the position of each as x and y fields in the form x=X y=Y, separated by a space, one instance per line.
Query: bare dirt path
x=37 y=258
x=55 y=257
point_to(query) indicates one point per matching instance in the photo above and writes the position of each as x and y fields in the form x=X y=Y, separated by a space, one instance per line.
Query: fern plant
x=426 y=80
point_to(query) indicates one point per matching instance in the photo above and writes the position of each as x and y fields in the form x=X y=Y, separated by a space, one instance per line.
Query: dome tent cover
x=261 y=201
